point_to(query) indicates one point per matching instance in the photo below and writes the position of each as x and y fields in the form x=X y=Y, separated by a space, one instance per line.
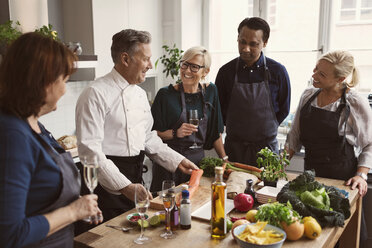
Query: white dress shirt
x=114 y=118
x=358 y=126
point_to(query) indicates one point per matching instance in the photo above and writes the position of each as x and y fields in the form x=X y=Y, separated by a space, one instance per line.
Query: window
x=301 y=31
x=351 y=11
x=352 y=36
x=271 y=13
x=224 y=19
x=294 y=43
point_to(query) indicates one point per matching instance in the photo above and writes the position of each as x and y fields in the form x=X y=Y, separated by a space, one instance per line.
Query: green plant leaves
x=9 y=31
x=171 y=61
x=273 y=164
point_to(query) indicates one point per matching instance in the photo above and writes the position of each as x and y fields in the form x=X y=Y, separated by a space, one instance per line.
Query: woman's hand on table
x=186 y=129
x=86 y=206
x=186 y=166
x=358 y=182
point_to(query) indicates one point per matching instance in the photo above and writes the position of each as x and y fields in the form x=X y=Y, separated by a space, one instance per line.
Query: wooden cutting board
x=197 y=200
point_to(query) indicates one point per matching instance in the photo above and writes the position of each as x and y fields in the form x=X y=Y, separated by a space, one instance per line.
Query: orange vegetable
x=246 y=167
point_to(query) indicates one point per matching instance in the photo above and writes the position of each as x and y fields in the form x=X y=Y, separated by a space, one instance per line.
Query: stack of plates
x=267 y=194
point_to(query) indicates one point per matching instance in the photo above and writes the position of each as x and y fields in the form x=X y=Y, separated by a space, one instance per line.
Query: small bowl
x=245 y=244
x=134 y=217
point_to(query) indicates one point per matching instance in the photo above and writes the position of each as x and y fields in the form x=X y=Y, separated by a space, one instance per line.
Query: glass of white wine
x=90 y=172
x=194 y=119
x=142 y=201
x=168 y=196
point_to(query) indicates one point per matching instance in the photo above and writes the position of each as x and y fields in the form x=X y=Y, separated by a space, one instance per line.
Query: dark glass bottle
x=249 y=189
x=174 y=217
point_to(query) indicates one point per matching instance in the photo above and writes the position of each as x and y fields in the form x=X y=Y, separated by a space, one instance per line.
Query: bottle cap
x=185 y=187
x=185 y=194
x=218 y=170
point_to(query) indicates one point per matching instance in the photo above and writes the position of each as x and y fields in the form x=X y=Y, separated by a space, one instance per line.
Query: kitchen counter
x=199 y=234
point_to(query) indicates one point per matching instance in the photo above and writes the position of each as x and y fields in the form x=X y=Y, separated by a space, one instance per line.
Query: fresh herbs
x=273 y=164
x=208 y=164
x=275 y=213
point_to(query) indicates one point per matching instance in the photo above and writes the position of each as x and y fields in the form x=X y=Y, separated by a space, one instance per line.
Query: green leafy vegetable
x=276 y=212
x=208 y=164
x=311 y=198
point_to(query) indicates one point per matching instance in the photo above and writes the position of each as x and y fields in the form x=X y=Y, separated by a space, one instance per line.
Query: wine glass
x=168 y=196
x=142 y=201
x=193 y=119
x=90 y=172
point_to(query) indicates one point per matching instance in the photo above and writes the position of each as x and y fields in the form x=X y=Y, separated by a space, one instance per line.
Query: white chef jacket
x=114 y=118
x=358 y=126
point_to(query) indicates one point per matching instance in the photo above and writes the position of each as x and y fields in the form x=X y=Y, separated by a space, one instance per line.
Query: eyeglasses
x=193 y=67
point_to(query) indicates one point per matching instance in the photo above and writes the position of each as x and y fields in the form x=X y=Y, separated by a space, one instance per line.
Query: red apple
x=243 y=202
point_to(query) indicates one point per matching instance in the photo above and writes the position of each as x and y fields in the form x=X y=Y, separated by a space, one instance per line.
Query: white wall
x=31 y=14
x=110 y=17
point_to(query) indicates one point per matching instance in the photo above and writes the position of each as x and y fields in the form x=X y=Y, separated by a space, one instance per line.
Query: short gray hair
x=198 y=50
x=127 y=41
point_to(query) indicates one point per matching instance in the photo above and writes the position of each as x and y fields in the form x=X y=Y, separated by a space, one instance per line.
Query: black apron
x=328 y=153
x=181 y=145
x=70 y=192
x=113 y=205
x=251 y=122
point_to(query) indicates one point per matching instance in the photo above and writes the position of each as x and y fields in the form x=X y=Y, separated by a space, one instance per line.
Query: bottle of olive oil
x=218 y=219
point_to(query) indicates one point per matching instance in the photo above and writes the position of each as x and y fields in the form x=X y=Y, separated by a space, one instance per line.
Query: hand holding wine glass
x=194 y=119
x=90 y=173
x=142 y=201
x=168 y=196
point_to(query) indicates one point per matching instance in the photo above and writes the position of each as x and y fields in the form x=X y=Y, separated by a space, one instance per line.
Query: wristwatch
x=362 y=175
x=174 y=133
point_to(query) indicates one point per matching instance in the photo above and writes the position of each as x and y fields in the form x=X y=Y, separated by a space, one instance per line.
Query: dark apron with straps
x=114 y=205
x=251 y=122
x=328 y=153
x=181 y=145
x=70 y=192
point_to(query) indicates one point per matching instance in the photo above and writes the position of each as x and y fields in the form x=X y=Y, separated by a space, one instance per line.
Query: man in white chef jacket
x=114 y=122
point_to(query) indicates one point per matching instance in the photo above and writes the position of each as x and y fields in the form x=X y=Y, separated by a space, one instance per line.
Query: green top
x=167 y=108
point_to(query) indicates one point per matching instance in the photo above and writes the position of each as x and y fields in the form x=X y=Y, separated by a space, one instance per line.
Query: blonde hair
x=343 y=63
x=198 y=50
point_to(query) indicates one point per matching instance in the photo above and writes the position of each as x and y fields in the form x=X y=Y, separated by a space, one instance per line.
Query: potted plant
x=171 y=61
x=48 y=31
x=273 y=166
x=9 y=31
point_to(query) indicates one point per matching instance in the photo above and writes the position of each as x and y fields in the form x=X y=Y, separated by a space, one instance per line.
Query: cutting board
x=197 y=200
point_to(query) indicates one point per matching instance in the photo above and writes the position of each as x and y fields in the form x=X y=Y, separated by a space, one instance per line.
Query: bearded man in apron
x=254 y=93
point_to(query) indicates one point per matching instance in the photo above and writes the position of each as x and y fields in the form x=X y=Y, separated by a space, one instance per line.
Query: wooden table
x=199 y=234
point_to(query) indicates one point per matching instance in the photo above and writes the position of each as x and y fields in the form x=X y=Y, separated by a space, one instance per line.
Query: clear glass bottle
x=249 y=189
x=185 y=209
x=218 y=219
